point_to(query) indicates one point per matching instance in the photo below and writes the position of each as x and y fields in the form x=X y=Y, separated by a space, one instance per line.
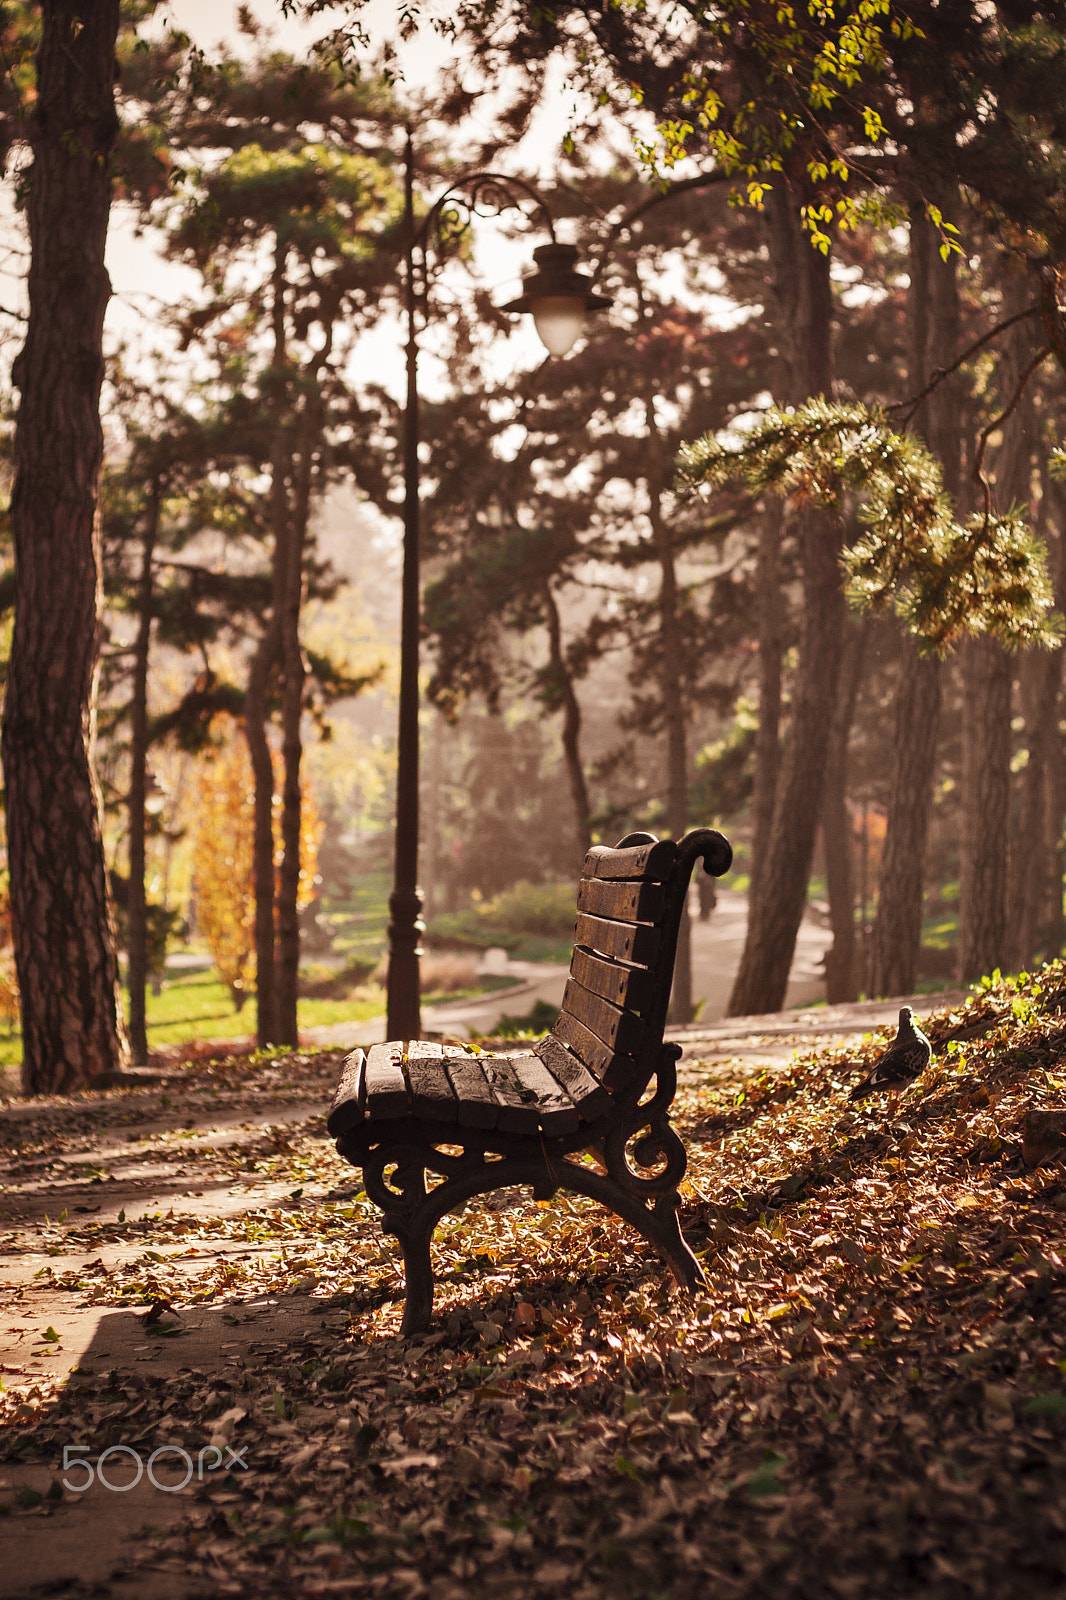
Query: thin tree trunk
x=987 y=678
x=673 y=701
x=841 y=961
x=256 y=710
x=762 y=978
x=266 y=663
x=294 y=670
x=771 y=649
x=1053 y=921
x=897 y=933
x=1039 y=672
x=804 y=320
x=63 y=925
x=563 y=691
x=137 y=904
x=933 y=320
x=986 y=751
x=1035 y=904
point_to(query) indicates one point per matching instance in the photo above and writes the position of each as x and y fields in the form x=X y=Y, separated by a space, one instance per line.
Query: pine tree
x=287 y=229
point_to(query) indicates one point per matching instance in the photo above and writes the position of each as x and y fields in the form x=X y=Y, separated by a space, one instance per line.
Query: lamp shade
x=558 y=296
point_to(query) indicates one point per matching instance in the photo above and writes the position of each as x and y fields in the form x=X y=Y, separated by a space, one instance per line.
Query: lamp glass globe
x=560 y=322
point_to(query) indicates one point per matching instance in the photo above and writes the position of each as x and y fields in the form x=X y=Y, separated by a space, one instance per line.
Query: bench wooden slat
x=624 y=941
x=386 y=1086
x=623 y=902
x=519 y=1111
x=432 y=1095
x=639 y=861
x=622 y=986
x=613 y=1070
x=617 y=1029
x=556 y=1111
x=590 y=1097
x=477 y=1104
x=349 y=1103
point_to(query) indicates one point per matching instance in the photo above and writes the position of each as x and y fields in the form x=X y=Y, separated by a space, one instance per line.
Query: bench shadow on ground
x=78 y=1538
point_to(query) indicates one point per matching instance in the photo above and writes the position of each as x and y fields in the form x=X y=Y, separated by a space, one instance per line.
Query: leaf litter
x=868 y=1397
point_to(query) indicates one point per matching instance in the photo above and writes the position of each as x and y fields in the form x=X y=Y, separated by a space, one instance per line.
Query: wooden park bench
x=484 y=1122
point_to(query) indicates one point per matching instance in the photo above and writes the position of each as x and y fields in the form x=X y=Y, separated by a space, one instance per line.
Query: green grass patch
x=195 y=1005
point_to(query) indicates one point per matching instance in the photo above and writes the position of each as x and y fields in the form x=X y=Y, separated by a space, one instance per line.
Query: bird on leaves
x=904 y=1060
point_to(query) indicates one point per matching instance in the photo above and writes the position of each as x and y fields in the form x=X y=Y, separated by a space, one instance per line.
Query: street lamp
x=559 y=297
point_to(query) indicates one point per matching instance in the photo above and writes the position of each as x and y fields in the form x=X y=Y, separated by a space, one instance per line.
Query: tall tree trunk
x=137 y=903
x=673 y=696
x=771 y=644
x=1034 y=920
x=986 y=752
x=933 y=325
x=897 y=933
x=294 y=678
x=842 y=959
x=562 y=693
x=63 y=926
x=266 y=664
x=256 y=713
x=987 y=677
x=1039 y=672
x=804 y=323
x=773 y=922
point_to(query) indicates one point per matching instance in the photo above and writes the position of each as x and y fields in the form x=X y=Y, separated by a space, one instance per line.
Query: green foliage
x=546 y=908
x=541 y=909
x=941 y=579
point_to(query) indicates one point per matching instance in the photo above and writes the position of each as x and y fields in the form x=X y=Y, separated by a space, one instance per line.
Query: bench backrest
x=629 y=907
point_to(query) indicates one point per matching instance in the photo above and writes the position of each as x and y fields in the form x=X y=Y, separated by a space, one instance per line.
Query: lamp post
x=559 y=297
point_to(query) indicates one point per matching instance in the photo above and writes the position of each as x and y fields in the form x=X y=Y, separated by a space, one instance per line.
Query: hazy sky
x=142 y=282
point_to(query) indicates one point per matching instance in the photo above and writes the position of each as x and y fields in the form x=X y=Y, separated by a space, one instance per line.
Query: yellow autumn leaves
x=223 y=878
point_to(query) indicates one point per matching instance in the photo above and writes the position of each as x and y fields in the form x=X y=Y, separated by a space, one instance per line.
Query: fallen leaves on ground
x=867 y=1398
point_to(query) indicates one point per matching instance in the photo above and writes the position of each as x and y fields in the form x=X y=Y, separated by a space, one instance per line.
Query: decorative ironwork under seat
x=602 y=1081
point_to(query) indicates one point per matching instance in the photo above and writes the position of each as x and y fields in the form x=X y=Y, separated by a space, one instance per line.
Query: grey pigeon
x=904 y=1060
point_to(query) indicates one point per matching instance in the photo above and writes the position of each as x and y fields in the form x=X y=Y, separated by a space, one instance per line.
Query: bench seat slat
x=386 y=1086
x=623 y=941
x=590 y=1097
x=478 y=1107
x=518 y=1103
x=639 y=861
x=617 y=1029
x=349 y=1103
x=556 y=1112
x=432 y=1094
x=614 y=1071
x=622 y=986
x=623 y=902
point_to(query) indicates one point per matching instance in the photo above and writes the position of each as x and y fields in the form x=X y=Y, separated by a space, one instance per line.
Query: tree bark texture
x=771 y=642
x=986 y=753
x=897 y=933
x=294 y=679
x=1034 y=869
x=933 y=329
x=987 y=676
x=762 y=978
x=803 y=321
x=673 y=695
x=137 y=903
x=63 y=925
x=842 y=963
x=1034 y=912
